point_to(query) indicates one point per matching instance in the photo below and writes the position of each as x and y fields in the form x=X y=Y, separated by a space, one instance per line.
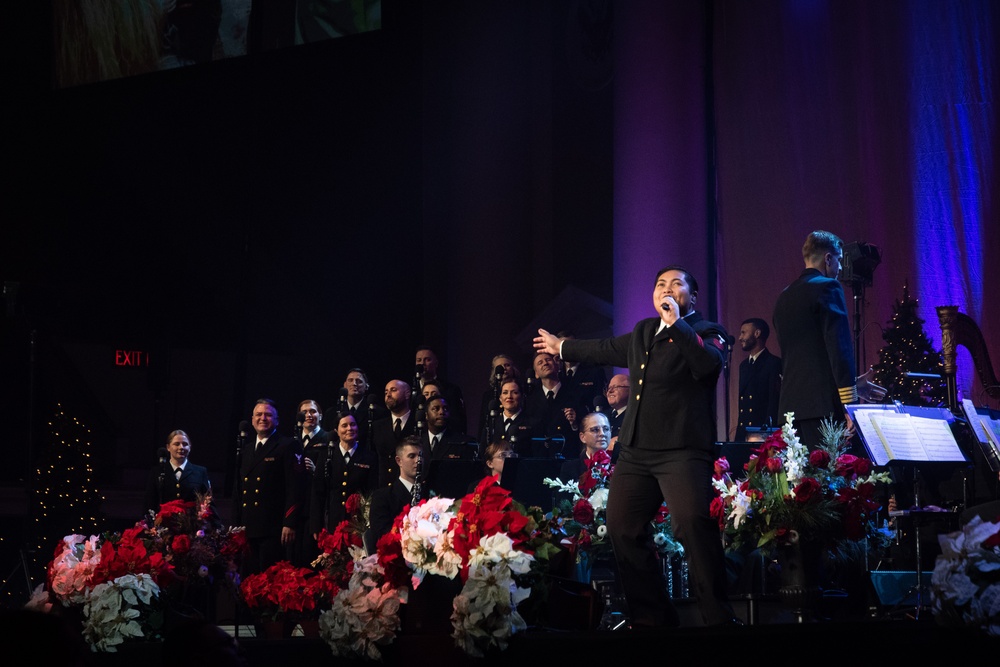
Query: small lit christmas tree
x=66 y=500
x=908 y=350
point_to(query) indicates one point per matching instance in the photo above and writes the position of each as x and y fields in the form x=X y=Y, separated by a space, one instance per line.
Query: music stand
x=737 y=454
x=450 y=478
x=913 y=437
x=523 y=478
x=919 y=517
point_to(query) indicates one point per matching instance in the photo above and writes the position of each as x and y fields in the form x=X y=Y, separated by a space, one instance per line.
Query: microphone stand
x=163 y=477
x=237 y=495
x=328 y=477
x=370 y=435
x=491 y=425
x=727 y=372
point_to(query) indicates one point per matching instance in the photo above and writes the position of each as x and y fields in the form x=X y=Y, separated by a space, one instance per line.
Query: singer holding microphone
x=174 y=477
x=666 y=448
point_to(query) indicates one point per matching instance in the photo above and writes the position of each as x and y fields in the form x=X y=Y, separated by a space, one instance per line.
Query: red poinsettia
x=128 y=555
x=390 y=557
x=486 y=511
x=284 y=589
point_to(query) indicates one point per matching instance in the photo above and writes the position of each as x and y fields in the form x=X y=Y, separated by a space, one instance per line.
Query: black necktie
x=398 y=429
x=353 y=408
x=347 y=458
x=506 y=424
x=177 y=473
x=434 y=442
x=305 y=441
x=614 y=414
x=569 y=373
x=752 y=360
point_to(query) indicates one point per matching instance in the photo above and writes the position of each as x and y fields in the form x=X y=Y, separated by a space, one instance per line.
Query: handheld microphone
x=163 y=454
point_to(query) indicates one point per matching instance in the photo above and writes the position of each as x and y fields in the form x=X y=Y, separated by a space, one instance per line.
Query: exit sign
x=131 y=358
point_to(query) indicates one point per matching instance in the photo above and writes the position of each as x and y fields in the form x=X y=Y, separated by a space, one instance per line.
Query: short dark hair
x=821 y=242
x=688 y=278
x=408 y=441
x=758 y=323
x=364 y=376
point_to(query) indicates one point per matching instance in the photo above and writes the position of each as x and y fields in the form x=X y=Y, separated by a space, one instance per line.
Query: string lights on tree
x=909 y=368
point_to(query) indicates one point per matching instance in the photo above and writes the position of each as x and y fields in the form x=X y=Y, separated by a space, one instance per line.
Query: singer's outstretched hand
x=546 y=342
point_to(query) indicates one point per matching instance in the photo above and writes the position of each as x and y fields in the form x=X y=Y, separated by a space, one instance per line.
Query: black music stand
x=523 y=478
x=917 y=513
x=450 y=478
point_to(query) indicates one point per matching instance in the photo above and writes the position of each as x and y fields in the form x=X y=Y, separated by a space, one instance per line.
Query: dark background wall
x=260 y=225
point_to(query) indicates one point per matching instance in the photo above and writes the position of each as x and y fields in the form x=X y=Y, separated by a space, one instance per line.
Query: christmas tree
x=66 y=500
x=908 y=351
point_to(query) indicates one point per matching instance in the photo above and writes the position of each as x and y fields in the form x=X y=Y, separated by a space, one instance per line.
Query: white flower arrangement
x=115 y=611
x=485 y=612
x=965 y=586
x=425 y=542
x=365 y=615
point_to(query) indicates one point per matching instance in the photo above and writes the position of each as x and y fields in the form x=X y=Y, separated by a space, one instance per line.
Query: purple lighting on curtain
x=659 y=151
x=951 y=122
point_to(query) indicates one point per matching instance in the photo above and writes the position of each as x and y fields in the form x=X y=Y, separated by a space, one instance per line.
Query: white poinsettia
x=965 y=585
x=364 y=616
x=423 y=527
x=114 y=611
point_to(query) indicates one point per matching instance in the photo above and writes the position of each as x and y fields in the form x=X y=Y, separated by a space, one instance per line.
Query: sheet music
x=976 y=420
x=938 y=440
x=897 y=429
x=865 y=425
x=910 y=438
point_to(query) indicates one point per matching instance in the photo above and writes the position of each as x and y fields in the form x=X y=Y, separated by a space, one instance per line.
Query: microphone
x=163 y=454
x=244 y=429
x=342 y=401
x=597 y=404
x=499 y=372
x=665 y=306
x=528 y=386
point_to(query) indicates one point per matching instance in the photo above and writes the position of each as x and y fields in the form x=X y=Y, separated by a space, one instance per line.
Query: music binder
x=911 y=434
